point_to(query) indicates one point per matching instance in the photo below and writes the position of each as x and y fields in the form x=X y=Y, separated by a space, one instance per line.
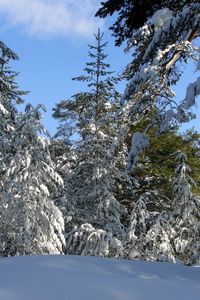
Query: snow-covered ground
x=91 y=278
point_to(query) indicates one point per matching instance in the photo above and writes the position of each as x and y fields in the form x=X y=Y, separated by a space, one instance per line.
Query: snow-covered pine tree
x=158 y=240
x=30 y=222
x=10 y=95
x=162 y=41
x=186 y=214
x=149 y=233
x=160 y=47
x=92 y=211
x=9 y=91
x=139 y=224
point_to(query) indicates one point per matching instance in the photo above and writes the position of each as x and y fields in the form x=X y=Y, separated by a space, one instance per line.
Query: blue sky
x=51 y=38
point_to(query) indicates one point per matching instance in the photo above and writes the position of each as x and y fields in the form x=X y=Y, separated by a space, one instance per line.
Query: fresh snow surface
x=91 y=278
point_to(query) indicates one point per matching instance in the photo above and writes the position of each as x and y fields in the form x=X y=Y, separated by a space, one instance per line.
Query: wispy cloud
x=52 y=17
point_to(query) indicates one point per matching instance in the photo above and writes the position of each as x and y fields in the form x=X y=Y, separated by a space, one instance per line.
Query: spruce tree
x=92 y=211
x=174 y=235
x=30 y=223
x=186 y=214
x=158 y=240
x=139 y=224
x=10 y=96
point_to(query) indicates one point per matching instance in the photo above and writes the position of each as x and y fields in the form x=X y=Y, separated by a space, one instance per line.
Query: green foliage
x=155 y=170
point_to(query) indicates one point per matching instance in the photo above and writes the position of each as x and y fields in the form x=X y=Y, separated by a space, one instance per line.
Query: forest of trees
x=118 y=179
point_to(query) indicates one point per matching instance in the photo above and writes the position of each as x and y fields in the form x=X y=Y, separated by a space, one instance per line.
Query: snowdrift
x=91 y=278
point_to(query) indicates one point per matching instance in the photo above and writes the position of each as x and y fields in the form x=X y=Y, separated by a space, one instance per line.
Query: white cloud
x=52 y=17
